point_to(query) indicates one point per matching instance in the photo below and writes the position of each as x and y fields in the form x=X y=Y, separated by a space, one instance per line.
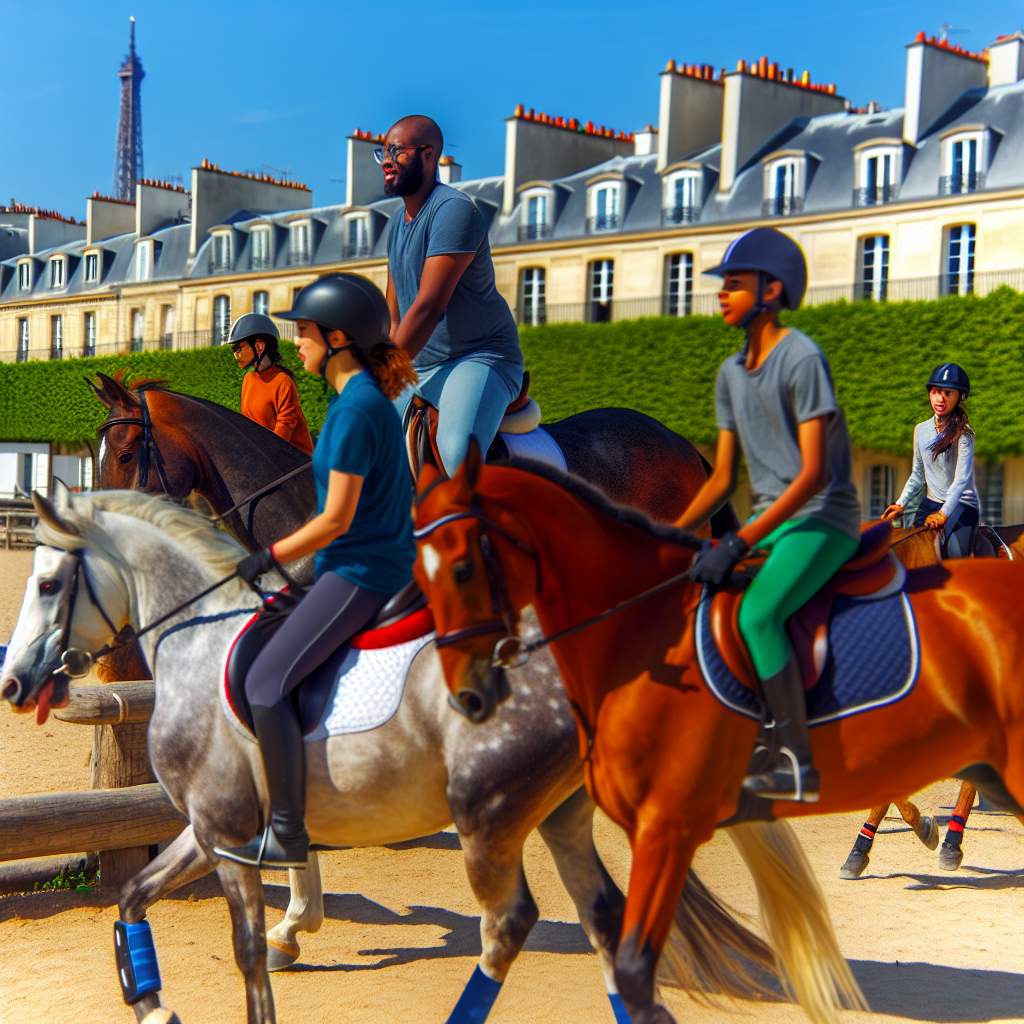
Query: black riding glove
x=253 y=566
x=715 y=563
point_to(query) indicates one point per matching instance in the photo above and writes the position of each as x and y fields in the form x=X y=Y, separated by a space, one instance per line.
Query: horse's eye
x=47 y=588
x=125 y=457
x=463 y=570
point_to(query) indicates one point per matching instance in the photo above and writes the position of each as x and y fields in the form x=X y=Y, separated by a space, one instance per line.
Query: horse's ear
x=99 y=392
x=112 y=392
x=473 y=463
x=61 y=496
x=50 y=517
x=428 y=476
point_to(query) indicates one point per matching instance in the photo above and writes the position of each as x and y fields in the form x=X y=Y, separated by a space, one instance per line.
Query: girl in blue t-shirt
x=362 y=536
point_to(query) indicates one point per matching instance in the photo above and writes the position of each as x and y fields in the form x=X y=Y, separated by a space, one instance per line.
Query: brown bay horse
x=663 y=756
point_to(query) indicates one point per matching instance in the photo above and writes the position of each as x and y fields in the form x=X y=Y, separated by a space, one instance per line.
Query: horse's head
x=137 y=446
x=478 y=571
x=75 y=601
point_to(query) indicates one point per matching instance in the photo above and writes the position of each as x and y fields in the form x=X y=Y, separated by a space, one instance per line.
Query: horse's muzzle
x=478 y=700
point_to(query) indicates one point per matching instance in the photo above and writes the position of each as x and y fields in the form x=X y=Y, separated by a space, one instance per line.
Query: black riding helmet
x=770 y=252
x=343 y=302
x=950 y=375
x=253 y=327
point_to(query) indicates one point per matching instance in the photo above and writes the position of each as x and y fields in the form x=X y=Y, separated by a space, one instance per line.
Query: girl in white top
x=944 y=465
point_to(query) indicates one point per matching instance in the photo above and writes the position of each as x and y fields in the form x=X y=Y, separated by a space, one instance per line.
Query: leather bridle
x=149 y=453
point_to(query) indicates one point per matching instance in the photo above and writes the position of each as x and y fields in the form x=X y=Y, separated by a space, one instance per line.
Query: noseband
x=150 y=452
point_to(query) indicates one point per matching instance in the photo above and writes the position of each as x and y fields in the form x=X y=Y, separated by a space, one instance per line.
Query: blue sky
x=277 y=85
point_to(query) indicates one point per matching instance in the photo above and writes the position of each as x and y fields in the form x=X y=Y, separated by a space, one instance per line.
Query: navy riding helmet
x=770 y=252
x=950 y=375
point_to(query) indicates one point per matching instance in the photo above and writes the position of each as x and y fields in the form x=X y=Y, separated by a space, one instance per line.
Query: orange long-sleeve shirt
x=271 y=398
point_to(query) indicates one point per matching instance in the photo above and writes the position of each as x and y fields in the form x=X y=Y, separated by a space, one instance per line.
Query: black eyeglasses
x=392 y=152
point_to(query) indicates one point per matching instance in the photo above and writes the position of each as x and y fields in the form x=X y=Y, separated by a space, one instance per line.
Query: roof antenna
x=946 y=30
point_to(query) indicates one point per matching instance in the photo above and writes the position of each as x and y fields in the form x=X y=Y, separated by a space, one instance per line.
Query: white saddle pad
x=538 y=445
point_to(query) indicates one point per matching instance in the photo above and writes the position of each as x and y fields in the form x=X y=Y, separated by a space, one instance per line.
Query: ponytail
x=956 y=426
x=390 y=367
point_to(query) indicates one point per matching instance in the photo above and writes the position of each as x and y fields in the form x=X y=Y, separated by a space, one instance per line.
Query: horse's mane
x=624 y=514
x=215 y=548
x=128 y=379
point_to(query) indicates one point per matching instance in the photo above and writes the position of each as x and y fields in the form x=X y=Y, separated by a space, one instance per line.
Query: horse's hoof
x=950 y=857
x=161 y=1015
x=855 y=865
x=281 y=955
x=928 y=831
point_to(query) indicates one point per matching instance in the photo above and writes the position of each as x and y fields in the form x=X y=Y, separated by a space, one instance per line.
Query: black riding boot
x=283 y=843
x=793 y=776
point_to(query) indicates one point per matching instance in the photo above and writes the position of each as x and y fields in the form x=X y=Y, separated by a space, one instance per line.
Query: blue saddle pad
x=873 y=660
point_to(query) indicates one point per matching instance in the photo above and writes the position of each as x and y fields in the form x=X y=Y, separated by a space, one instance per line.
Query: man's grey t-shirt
x=765 y=408
x=477 y=320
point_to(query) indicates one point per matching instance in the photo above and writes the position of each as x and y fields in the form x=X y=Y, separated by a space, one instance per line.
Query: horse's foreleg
x=569 y=834
x=859 y=856
x=925 y=827
x=183 y=861
x=244 y=893
x=662 y=853
x=494 y=864
x=305 y=913
x=951 y=855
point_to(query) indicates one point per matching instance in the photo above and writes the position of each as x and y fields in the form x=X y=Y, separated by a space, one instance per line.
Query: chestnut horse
x=663 y=756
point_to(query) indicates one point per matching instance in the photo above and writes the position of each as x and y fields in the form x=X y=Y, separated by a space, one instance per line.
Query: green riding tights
x=803 y=555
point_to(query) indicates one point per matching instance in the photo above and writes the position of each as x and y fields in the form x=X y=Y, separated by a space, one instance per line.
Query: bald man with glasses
x=445 y=309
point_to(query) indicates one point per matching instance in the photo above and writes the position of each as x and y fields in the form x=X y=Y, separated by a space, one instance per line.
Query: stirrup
x=264 y=851
x=787 y=780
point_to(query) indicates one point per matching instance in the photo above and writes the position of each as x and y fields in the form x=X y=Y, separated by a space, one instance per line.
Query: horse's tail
x=711 y=952
x=796 y=920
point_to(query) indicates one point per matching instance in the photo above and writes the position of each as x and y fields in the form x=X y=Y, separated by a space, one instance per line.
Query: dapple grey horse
x=116 y=558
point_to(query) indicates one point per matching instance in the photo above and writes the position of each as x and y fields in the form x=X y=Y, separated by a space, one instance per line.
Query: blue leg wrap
x=476 y=1000
x=136 y=960
x=619 y=1009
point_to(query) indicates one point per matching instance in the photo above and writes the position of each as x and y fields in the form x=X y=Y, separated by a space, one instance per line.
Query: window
x=878 y=177
x=601 y=274
x=783 y=188
x=167 y=324
x=260 y=253
x=138 y=329
x=882 y=490
x=604 y=207
x=357 y=238
x=56 y=337
x=536 y=216
x=964 y=163
x=874 y=267
x=221 y=319
x=531 y=296
x=960 y=260
x=989 y=478
x=261 y=302
x=24 y=276
x=92 y=268
x=679 y=284
x=682 y=198
x=89 y=334
x=57 y=272
x=143 y=250
x=298 y=243
x=222 y=255
x=22 y=339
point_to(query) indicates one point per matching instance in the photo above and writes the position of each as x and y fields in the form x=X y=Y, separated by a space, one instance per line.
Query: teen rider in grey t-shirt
x=775 y=401
x=445 y=309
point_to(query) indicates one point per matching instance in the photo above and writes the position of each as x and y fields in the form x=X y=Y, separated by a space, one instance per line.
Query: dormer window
x=92 y=267
x=964 y=161
x=260 y=255
x=222 y=256
x=879 y=171
x=143 y=261
x=784 y=186
x=682 y=197
x=604 y=204
x=25 y=276
x=57 y=272
x=536 y=214
x=298 y=242
x=356 y=237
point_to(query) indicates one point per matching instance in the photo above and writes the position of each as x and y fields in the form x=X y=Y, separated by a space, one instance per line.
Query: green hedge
x=880 y=356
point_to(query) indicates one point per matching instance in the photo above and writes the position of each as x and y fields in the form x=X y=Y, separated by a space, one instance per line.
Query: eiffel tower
x=128 y=163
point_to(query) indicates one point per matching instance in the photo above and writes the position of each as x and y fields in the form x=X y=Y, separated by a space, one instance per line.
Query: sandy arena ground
x=401 y=934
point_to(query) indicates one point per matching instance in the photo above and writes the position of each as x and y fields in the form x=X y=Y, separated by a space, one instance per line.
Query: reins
x=262 y=492
x=913 y=533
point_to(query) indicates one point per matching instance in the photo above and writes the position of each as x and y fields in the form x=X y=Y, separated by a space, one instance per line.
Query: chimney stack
x=646 y=141
x=159 y=203
x=1006 y=59
x=937 y=73
x=689 y=111
x=364 y=184
x=448 y=171
x=106 y=217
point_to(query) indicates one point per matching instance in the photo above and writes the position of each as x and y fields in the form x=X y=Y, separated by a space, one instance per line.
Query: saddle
x=521 y=417
x=403 y=617
x=873 y=572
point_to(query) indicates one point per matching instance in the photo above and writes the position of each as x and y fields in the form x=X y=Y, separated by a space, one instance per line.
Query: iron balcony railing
x=530 y=232
x=602 y=222
x=356 y=250
x=296 y=256
x=957 y=184
x=260 y=262
x=782 y=206
x=220 y=264
x=679 y=214
x=875 y=196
